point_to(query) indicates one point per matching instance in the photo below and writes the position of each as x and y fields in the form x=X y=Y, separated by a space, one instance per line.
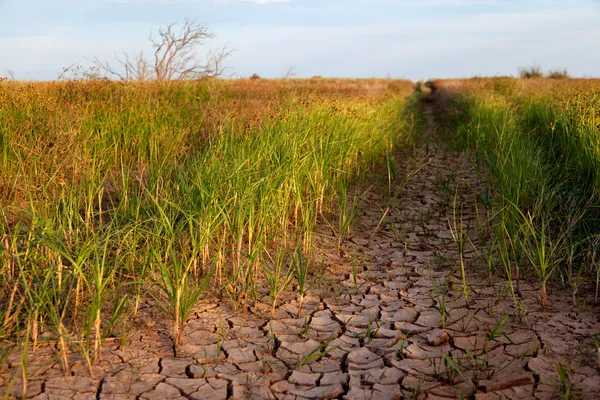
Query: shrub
x=558 y=73
x=535 y=71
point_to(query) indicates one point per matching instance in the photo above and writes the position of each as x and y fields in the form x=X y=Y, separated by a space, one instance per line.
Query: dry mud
x=372 y=327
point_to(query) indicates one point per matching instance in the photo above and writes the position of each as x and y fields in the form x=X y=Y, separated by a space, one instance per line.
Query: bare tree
x=175 y=56
x=290 y=72
x=10 y=75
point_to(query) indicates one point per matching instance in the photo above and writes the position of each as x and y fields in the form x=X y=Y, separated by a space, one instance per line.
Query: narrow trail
x=387 y=319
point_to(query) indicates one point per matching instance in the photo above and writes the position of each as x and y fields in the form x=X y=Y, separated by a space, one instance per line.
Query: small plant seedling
x=541 y=251
x=440 y=299
x=456 y=229
x=301 y=268
x=355 y=278
x=320 y=351
x=277 y=276
x=371 y=334
x=181 y=294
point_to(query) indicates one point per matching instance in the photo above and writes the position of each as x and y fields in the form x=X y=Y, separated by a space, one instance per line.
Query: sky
x=413 y=39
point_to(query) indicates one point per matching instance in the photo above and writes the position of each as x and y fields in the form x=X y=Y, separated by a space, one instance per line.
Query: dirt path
x=372 y=327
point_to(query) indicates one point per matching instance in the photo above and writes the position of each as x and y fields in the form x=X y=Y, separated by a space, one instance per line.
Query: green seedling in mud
x=480 y=364
x=103 y=276
x=24 y=357
x=277 y=275
x=452 y=368
x=273 y=339
x=509 y=259
x=392 y=199
x=463 y=323
x=496 y=331
x=355 y=277
x=221 y=335
x=204 y=368
x=119 y=308
x=305 y=326
x=440 y=299
x=347 y=211
x=476 y=360
x=320 y=351
x=486 y=258
x=401 y=346
x=344 y=215
x=180 y=292
x=392 y=168
x=445 y=185
x=485 y=197
x=301 y=268
x=416 y=392
x=563 y=384
x=572 y=275
x=57 y=307
x=371 y=334
x=541 y=250
x=458 y=235
x=484 y=232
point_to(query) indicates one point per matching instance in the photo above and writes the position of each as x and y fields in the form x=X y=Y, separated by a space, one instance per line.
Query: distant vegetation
x=558 y=73
x=535 y=71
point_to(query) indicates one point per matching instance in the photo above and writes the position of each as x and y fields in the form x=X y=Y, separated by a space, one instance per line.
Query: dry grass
x=61 y=124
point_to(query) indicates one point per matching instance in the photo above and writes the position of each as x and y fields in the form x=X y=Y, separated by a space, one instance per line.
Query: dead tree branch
x=175 y=57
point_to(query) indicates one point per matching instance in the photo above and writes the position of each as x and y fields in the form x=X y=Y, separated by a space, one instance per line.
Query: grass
x=277 y=277
x=458 y=235
x=113 y=193
x=539 y=142
x=440 y=299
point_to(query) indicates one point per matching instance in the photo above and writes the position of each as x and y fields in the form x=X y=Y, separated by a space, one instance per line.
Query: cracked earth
x=385 y=319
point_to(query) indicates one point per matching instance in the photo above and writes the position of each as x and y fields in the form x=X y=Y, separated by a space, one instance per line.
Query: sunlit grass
x=112 y=194
x=540 y=142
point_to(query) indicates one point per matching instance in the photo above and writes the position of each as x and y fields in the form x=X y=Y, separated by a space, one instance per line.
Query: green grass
x=114 y=193
x=540 y=147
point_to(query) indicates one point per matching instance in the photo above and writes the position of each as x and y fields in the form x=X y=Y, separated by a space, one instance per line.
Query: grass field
x=340 y=210
x=111 y=193
x=539 y=141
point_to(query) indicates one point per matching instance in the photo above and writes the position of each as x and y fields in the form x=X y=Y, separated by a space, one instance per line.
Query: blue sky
x=415 y=39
